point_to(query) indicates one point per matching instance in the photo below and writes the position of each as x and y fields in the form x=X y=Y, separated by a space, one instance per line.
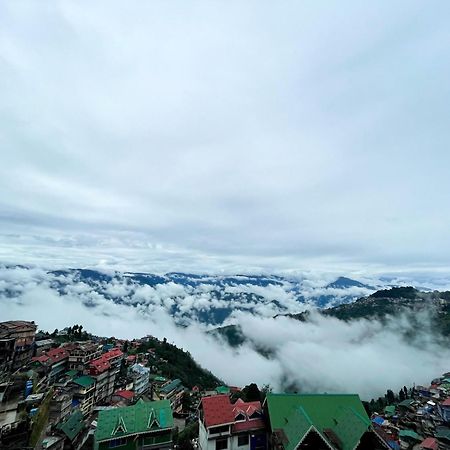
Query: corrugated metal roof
x=140 y=418
x=342 y=415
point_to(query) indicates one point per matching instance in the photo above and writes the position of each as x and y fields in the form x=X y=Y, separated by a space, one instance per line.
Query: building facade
x=227 y=426
x=23 y=334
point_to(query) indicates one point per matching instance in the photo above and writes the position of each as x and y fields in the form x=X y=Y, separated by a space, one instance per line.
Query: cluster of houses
x=94 y=395
x=59 y=389
x=420 y=422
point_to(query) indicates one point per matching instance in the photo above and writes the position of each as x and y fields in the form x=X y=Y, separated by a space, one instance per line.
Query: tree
x=125 y=347
x=390 y=397
x=251 y=393
x=405 y=391
x=266 y=389
x=401 y=395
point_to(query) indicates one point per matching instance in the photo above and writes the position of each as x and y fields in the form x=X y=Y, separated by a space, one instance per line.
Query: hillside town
x=74 y=391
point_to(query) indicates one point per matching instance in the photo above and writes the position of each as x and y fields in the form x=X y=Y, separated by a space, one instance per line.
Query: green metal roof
x=171 y=386
x=84 y=381
x=406 y=403
x=295 y=414
x=157 y=377
x=223 y=390
x=143 y=417
x=73 y=425
x=72 y=373
x=409 y=434
x=389 y=410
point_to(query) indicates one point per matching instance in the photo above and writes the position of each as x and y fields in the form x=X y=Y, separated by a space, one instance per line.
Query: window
x=221 y=429
x=117 y=443
x=240 y=417
x=221 y=444
x=255 y=415
x=242 y=440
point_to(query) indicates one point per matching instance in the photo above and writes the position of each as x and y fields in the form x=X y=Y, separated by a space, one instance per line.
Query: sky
x=225 y=135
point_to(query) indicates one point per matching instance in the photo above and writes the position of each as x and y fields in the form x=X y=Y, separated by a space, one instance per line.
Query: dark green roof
x=143 y=417
x=406 y=403
x=295 y=414
x=389 y=410
x=410 y=434
x=171 y=386
x=84 y=381
x=72 y=373
x=73 y=425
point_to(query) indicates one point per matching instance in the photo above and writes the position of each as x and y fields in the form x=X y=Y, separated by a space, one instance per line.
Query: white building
x=141 y=378
x=227 y=426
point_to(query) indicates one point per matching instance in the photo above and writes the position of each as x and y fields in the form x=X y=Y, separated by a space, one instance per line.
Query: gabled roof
x=331 y=416
x=73 y=425
x=131 y=420
x=217 y=410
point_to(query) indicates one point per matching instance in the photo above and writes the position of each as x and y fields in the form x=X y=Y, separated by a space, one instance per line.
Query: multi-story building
x=23 y=334
x=227 y=426
x=141 y=378
x=60 y=405
x=143 y=426
x=84 y=393
x=105 y=370
x=174 y=392
x=59 y=358
x=81 y=354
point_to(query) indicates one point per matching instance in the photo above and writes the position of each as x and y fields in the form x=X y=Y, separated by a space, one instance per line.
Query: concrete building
x=141 y=378
x=23 y=333
x=227 y=426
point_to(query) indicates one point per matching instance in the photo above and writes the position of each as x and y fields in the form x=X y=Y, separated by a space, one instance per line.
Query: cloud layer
x=210 y=136
x=323 y=355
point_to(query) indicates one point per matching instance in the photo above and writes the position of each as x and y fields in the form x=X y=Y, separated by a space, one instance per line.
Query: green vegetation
x=40 y=420
x=173 y=362
x=232 y=334
x=184 y=438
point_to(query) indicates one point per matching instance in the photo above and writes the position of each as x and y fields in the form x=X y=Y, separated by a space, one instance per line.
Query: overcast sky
x=226 y=135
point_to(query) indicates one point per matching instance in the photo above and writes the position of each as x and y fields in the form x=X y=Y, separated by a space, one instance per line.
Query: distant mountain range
x=212 y=300
x=379 y=305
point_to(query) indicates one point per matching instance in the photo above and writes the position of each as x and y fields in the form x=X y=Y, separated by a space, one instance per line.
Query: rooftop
x=143 y=417
x=84 y=381
x=333 y=416
x=73 y=425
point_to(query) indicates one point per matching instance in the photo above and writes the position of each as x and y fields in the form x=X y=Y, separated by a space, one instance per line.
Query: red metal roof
x=446 y=402
x=430 y=444
x=57 y=354
x=101 y=364
x=41 y=359
x=248 y=425
x=113 y=353
x=125 y=394
x=217 y=410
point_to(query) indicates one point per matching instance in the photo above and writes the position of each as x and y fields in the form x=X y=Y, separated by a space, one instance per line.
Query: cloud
x=224 y=136
x=322 y=355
